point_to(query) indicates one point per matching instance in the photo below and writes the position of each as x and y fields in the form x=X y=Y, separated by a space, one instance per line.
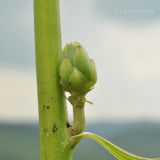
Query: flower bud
x=65 y=71
x=77 y=72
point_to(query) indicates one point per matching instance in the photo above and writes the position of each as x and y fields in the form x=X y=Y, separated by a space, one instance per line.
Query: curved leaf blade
x=117 y=152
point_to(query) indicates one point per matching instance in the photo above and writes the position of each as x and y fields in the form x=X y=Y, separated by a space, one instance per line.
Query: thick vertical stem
x=52 y=110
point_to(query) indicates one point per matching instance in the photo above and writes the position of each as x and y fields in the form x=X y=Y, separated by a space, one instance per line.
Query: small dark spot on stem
x=54 y=128
x=48 y=107
x=68 y=125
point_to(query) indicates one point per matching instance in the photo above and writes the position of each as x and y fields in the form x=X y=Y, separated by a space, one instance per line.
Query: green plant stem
x=79 y=120
x=78 y=102
x=52 y=109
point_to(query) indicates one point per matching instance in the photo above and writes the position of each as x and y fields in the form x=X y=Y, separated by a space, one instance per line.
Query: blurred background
x=123 y=37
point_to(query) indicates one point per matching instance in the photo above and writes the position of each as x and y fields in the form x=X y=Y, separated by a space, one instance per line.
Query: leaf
x=117 y=152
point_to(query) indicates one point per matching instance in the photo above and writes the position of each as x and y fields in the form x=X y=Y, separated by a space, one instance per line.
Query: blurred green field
x=21 y=141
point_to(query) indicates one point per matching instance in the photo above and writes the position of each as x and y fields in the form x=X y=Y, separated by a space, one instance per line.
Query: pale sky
x=126 y=51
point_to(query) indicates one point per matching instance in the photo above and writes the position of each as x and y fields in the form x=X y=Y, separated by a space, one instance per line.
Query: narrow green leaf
x=117 y=152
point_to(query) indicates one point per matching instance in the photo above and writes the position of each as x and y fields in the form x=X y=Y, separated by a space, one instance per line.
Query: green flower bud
x=82 y=62
x=77 y=80
x=77 y=72
x=94 y=72
x=65 y=71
